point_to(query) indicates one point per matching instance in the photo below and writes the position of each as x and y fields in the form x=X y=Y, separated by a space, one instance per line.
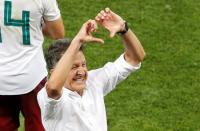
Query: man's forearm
x=134 y=52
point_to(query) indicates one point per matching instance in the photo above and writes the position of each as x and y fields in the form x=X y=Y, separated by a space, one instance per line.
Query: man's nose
x=80 y=72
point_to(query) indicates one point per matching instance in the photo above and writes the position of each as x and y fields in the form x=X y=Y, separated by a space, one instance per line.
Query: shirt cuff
x=52 y=17
x=121 y=63
x=52 y=101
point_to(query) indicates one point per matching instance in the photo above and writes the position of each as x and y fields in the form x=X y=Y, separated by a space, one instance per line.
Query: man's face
x=76 y=80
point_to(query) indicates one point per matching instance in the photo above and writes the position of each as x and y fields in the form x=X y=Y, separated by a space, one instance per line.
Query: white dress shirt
x=73 y=112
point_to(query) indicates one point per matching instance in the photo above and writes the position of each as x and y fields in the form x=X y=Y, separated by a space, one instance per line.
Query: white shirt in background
x=22 y=64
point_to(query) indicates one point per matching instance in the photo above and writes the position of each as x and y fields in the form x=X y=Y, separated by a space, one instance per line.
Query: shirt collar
x=74 y=93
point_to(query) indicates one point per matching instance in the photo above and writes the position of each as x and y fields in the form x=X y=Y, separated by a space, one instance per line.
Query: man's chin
x=79 y=87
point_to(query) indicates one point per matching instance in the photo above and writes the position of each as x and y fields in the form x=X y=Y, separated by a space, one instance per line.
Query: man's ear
x=51 y=71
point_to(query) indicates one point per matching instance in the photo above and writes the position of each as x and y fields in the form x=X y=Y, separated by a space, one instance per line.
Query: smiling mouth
x=79 y=80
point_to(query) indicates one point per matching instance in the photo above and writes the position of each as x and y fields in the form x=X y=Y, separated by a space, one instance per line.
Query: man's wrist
x=125 y=29
x=78 y=40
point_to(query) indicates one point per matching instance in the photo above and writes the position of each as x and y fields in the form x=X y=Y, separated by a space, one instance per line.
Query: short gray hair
x=56 y=50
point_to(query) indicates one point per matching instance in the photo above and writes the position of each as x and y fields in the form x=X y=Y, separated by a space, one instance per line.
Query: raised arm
x=134 y=52
x=63 y=67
